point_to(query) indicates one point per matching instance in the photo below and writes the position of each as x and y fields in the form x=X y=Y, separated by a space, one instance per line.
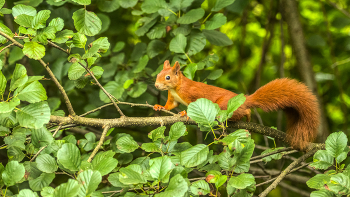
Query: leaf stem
x=206 y=18
x=188 y=58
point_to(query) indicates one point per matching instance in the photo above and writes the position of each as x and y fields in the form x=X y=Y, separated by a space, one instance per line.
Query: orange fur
x=289 y=95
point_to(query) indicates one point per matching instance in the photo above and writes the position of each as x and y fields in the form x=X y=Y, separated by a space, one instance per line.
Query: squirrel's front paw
x=157 y=107
x=184 y=113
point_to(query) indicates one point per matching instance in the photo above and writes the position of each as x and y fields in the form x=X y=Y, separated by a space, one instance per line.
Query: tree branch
x=286 y=171
x=53 y=77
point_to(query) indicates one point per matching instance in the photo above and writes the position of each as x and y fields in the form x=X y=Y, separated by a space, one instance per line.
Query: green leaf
x=157 y=133
x=131 y=175
x=103 y=44
x=19 y=77
x=16 y=139
x=190 y=70
x=42 y=181
x=242 y=181
x=242 y=159
x=219 y=4
x=63 y=36
x=150 y=147
x=196 y=43
x=114 y=89
x=89 y=181
x=39 y=20
x=57 y=23
x=336 y=143
x=83 y=2
x=7 y=31
x=71 y=188
x=157 y=31
x=97 y=71
x=195 y=155
x=108 y=5
x=23 y=9
x=322 y=193
x=92 y=51
x=200 y=187
x=220 y=181
x=26 y=193
x=47 y=191
x=276 y=156
x=86 y=22
x=79 y=40
x=152 y=6
x=339 y=182
x=234 y=103
x=318 y=181
x=142 y=64
x=202 y=111
x=34 y=92
x=119 y=46
x=178 y=44
x=34 y=50
x=177 y=187
x=177 y=130
x=34 y=115
x=75 y=71
x=69 y=156
x=104 y=163
x=127 y=3
x=216 y=21
x=322 y=160
x=41 y=137
x=137 y=90
x=46 y=163
x=114 y=180
x=148 y=23
x=217 y=38
x=215 y=74
x=225 y=161
x=24 y=20
x=160 y=167
x=127 y=144
x=191 y=16
x=155 y=47
x=13 y=173
x=180 y=4
x=6 y=107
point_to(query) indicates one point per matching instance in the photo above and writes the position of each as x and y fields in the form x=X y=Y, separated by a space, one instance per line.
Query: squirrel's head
x=169 y=77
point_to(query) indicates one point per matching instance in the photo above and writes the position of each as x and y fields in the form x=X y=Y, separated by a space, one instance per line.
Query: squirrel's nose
x=157 y=85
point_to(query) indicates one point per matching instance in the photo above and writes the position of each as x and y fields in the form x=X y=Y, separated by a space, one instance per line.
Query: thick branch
x=168 y=120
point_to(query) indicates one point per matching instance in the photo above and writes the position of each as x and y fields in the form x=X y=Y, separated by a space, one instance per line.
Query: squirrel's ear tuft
x=166 y=64
x=176 y=67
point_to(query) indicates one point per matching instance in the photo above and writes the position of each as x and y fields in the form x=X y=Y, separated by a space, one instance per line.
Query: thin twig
x=286 y=153
x=295 y=169
x=271 y=153
x=53 y=77
x=42 y=148
x=6 y=47
x=286 y=171
x=339 y=8
x=105 y=129
x=93 y=76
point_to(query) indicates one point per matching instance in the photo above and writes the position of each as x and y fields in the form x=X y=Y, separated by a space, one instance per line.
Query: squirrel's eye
x=167 y=77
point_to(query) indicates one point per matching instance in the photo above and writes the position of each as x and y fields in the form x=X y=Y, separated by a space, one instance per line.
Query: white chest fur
x=177 y=98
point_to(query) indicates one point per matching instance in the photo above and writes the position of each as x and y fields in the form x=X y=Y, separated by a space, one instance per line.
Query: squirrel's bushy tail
x=297 y=101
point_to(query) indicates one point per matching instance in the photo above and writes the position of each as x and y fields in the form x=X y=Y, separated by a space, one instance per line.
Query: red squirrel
x=291 y=96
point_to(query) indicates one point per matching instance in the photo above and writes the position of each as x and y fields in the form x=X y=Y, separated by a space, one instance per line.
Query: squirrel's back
x=297 y=101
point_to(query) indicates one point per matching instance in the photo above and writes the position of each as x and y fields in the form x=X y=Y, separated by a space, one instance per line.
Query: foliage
x=332 y=182
x=73 y=46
